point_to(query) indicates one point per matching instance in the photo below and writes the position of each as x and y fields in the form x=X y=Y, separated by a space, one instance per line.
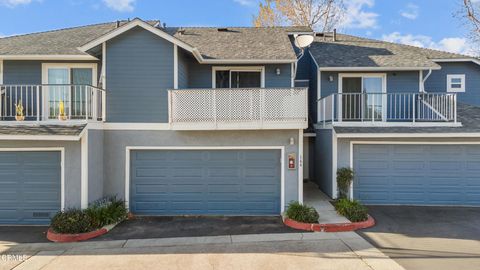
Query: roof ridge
x=411 y=46
x=245 y=27
x=67 y=28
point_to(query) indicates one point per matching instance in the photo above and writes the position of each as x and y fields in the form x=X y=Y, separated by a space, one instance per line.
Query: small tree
x=344 y=180
x=320 y=15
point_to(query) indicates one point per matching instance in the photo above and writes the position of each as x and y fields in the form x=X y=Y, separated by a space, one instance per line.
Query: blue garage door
x=29 y=187
x=417 y=174
x=198 y=182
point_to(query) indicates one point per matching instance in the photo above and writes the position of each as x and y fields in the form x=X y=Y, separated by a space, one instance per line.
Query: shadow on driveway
x=191 y=226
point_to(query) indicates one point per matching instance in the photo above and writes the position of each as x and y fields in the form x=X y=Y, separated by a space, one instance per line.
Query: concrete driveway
x=427 y=237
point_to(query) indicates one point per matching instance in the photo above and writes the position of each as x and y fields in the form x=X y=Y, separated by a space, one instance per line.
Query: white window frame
x=383 y=76
x=69 y=66
x=451 y=89
x=260 y=69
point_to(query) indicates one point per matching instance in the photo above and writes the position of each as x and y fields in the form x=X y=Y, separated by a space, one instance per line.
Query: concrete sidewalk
x=266 y=251
x=314 y=197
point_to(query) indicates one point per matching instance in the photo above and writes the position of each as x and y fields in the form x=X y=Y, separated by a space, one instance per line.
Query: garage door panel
x=222 y=182
x=424 y=175
x=29 y=186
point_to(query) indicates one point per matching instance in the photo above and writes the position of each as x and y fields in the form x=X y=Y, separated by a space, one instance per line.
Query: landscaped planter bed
x=330 y=227
x=77 y=237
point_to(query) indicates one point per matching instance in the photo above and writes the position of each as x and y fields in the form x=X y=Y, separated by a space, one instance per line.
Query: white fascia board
x=38 y=138
x=409 y=135
x=476 y=61
x=248 y=61
x=134 y=23
x=47 y=57
x=376 y=68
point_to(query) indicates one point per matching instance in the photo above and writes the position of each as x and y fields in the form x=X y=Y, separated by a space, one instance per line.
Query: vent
x=41 y=214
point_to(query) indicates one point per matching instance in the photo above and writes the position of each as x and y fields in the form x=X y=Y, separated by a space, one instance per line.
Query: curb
x=330 y=227
x=77 y=237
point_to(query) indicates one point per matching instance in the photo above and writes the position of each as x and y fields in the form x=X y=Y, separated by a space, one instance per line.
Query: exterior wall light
x=292 y=141
x=330 y=78
x=277 y=71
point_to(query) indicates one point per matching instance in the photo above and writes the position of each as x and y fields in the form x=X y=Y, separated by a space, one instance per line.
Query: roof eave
x=48 y=57
x=377 y=68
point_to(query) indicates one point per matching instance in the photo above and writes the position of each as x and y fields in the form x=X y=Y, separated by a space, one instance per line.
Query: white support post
x=300 y=166
x=84 y=170
x=414 y=105
x=38 y=102
x=175 y=66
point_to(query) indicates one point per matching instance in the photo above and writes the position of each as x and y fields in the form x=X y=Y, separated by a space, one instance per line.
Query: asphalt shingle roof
x=266 y=43
x=468 y=115
x=56 y=130
x=245 y=43
x=351 y=51
x=56 y=42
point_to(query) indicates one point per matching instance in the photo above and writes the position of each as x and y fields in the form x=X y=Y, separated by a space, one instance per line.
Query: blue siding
x=437 y=82
x=403 y=82
x=139 y=72
x=323 y=160
x=215 y=182
x=183 y=73
x=29 y=187
x=417 y=174
x=328 y=87
x=22 y=72
x=282 y=80
x=312 y=90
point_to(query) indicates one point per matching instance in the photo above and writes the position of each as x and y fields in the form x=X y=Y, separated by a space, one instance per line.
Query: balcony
x=238 y=108
x=51 y=103
x=384 y=109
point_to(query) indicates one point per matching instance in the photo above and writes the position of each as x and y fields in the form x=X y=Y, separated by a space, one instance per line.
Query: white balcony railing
x=238 y=108
x=351 y=108
x=51 y=103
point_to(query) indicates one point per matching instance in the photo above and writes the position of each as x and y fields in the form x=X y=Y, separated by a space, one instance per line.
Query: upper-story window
x=456 y=83
x=71 y=79
x=238 y=77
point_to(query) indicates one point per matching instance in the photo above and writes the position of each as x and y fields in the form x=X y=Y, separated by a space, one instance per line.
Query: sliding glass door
x=363 y=97
x=71 y=92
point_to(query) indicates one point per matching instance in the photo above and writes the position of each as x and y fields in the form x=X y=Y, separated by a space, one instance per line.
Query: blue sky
x=428 y=23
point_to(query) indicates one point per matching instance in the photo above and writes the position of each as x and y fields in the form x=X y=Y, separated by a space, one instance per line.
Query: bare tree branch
x=321 y=15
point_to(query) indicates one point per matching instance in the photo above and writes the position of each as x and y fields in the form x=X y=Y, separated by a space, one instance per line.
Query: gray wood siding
x=139 y=73
x=22 y=72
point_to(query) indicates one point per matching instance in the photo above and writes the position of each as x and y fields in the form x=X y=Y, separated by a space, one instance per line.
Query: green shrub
x=72 y=221
x=352 y=210
x=103 y=212
x=344 y=180
x=107 y=211
x=302 y=213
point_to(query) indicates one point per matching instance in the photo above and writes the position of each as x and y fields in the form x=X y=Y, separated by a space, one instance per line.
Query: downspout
x=424 y=80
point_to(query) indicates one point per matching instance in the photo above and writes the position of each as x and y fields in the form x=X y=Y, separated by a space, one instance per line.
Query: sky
x=426 y=23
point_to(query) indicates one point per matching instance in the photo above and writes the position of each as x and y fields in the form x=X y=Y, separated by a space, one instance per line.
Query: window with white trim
x=456 y=83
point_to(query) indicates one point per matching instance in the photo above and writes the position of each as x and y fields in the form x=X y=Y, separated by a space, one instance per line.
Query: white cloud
x=14 y=3
x=411 y=12
x=247 y=3
x=120 y=5
x=449 y=44
x=357 y=17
